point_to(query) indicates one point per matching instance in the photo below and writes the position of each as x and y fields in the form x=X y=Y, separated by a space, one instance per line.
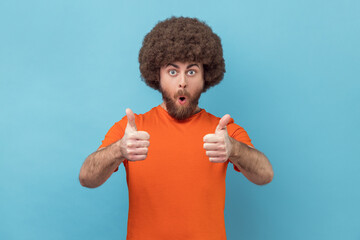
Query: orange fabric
x=176 y=192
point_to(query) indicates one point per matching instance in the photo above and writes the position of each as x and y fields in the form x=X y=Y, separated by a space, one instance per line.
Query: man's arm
x=252 y=163
x=99 y=165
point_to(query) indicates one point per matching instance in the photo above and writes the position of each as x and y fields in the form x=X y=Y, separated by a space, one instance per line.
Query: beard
x=181 y=112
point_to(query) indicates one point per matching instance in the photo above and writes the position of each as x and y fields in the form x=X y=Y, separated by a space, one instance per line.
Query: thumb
x=223 y=122
x=131 y=119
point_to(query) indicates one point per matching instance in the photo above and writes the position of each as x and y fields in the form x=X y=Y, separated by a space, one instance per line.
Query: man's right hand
x=134 y=144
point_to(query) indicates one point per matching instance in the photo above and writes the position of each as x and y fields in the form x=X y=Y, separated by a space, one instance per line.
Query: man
x=176 y=155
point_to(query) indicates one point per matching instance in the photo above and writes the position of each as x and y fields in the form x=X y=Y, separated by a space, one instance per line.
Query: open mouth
x=182 y=100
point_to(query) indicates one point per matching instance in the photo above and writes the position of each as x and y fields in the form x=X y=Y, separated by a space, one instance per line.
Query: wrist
x=235 y=148
x=116 y=151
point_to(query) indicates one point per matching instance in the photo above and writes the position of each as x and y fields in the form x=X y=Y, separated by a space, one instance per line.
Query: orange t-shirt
x=176 y=192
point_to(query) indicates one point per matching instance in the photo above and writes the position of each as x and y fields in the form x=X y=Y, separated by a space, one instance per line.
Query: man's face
x=181 y=85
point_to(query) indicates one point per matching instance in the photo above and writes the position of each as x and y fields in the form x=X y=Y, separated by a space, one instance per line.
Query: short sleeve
x=239 y=134
x=115 y=133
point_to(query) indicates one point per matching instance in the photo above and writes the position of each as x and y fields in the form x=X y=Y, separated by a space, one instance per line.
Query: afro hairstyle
x=185 y=40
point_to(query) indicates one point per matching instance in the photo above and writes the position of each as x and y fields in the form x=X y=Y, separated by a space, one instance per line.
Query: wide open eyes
x=191 y=72
x=172 y=72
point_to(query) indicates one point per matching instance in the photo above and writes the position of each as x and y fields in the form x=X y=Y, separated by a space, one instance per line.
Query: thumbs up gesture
x=134 y=144
x=218 y=146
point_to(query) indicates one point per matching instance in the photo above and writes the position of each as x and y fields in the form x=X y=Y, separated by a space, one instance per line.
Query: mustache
x=182 y=92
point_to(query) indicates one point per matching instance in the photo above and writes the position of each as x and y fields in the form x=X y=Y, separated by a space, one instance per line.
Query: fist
x=218 y=146
x=134 y=144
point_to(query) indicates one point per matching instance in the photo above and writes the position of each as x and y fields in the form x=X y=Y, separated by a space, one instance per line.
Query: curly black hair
x=185 y=40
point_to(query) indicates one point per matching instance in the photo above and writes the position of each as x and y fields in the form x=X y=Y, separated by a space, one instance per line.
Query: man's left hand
x=218 y=146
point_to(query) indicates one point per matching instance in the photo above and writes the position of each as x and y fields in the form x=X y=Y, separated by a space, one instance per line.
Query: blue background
x=68 y=70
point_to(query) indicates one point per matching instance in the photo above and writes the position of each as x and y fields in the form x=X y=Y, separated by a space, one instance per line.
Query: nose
x=182 y=81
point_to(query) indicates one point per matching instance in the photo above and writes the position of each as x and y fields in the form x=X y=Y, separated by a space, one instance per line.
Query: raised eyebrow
x=191 y=65
x=171 y=64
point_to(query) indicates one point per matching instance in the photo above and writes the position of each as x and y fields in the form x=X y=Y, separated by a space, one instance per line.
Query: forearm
x=99 y=166
x=252 y=163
